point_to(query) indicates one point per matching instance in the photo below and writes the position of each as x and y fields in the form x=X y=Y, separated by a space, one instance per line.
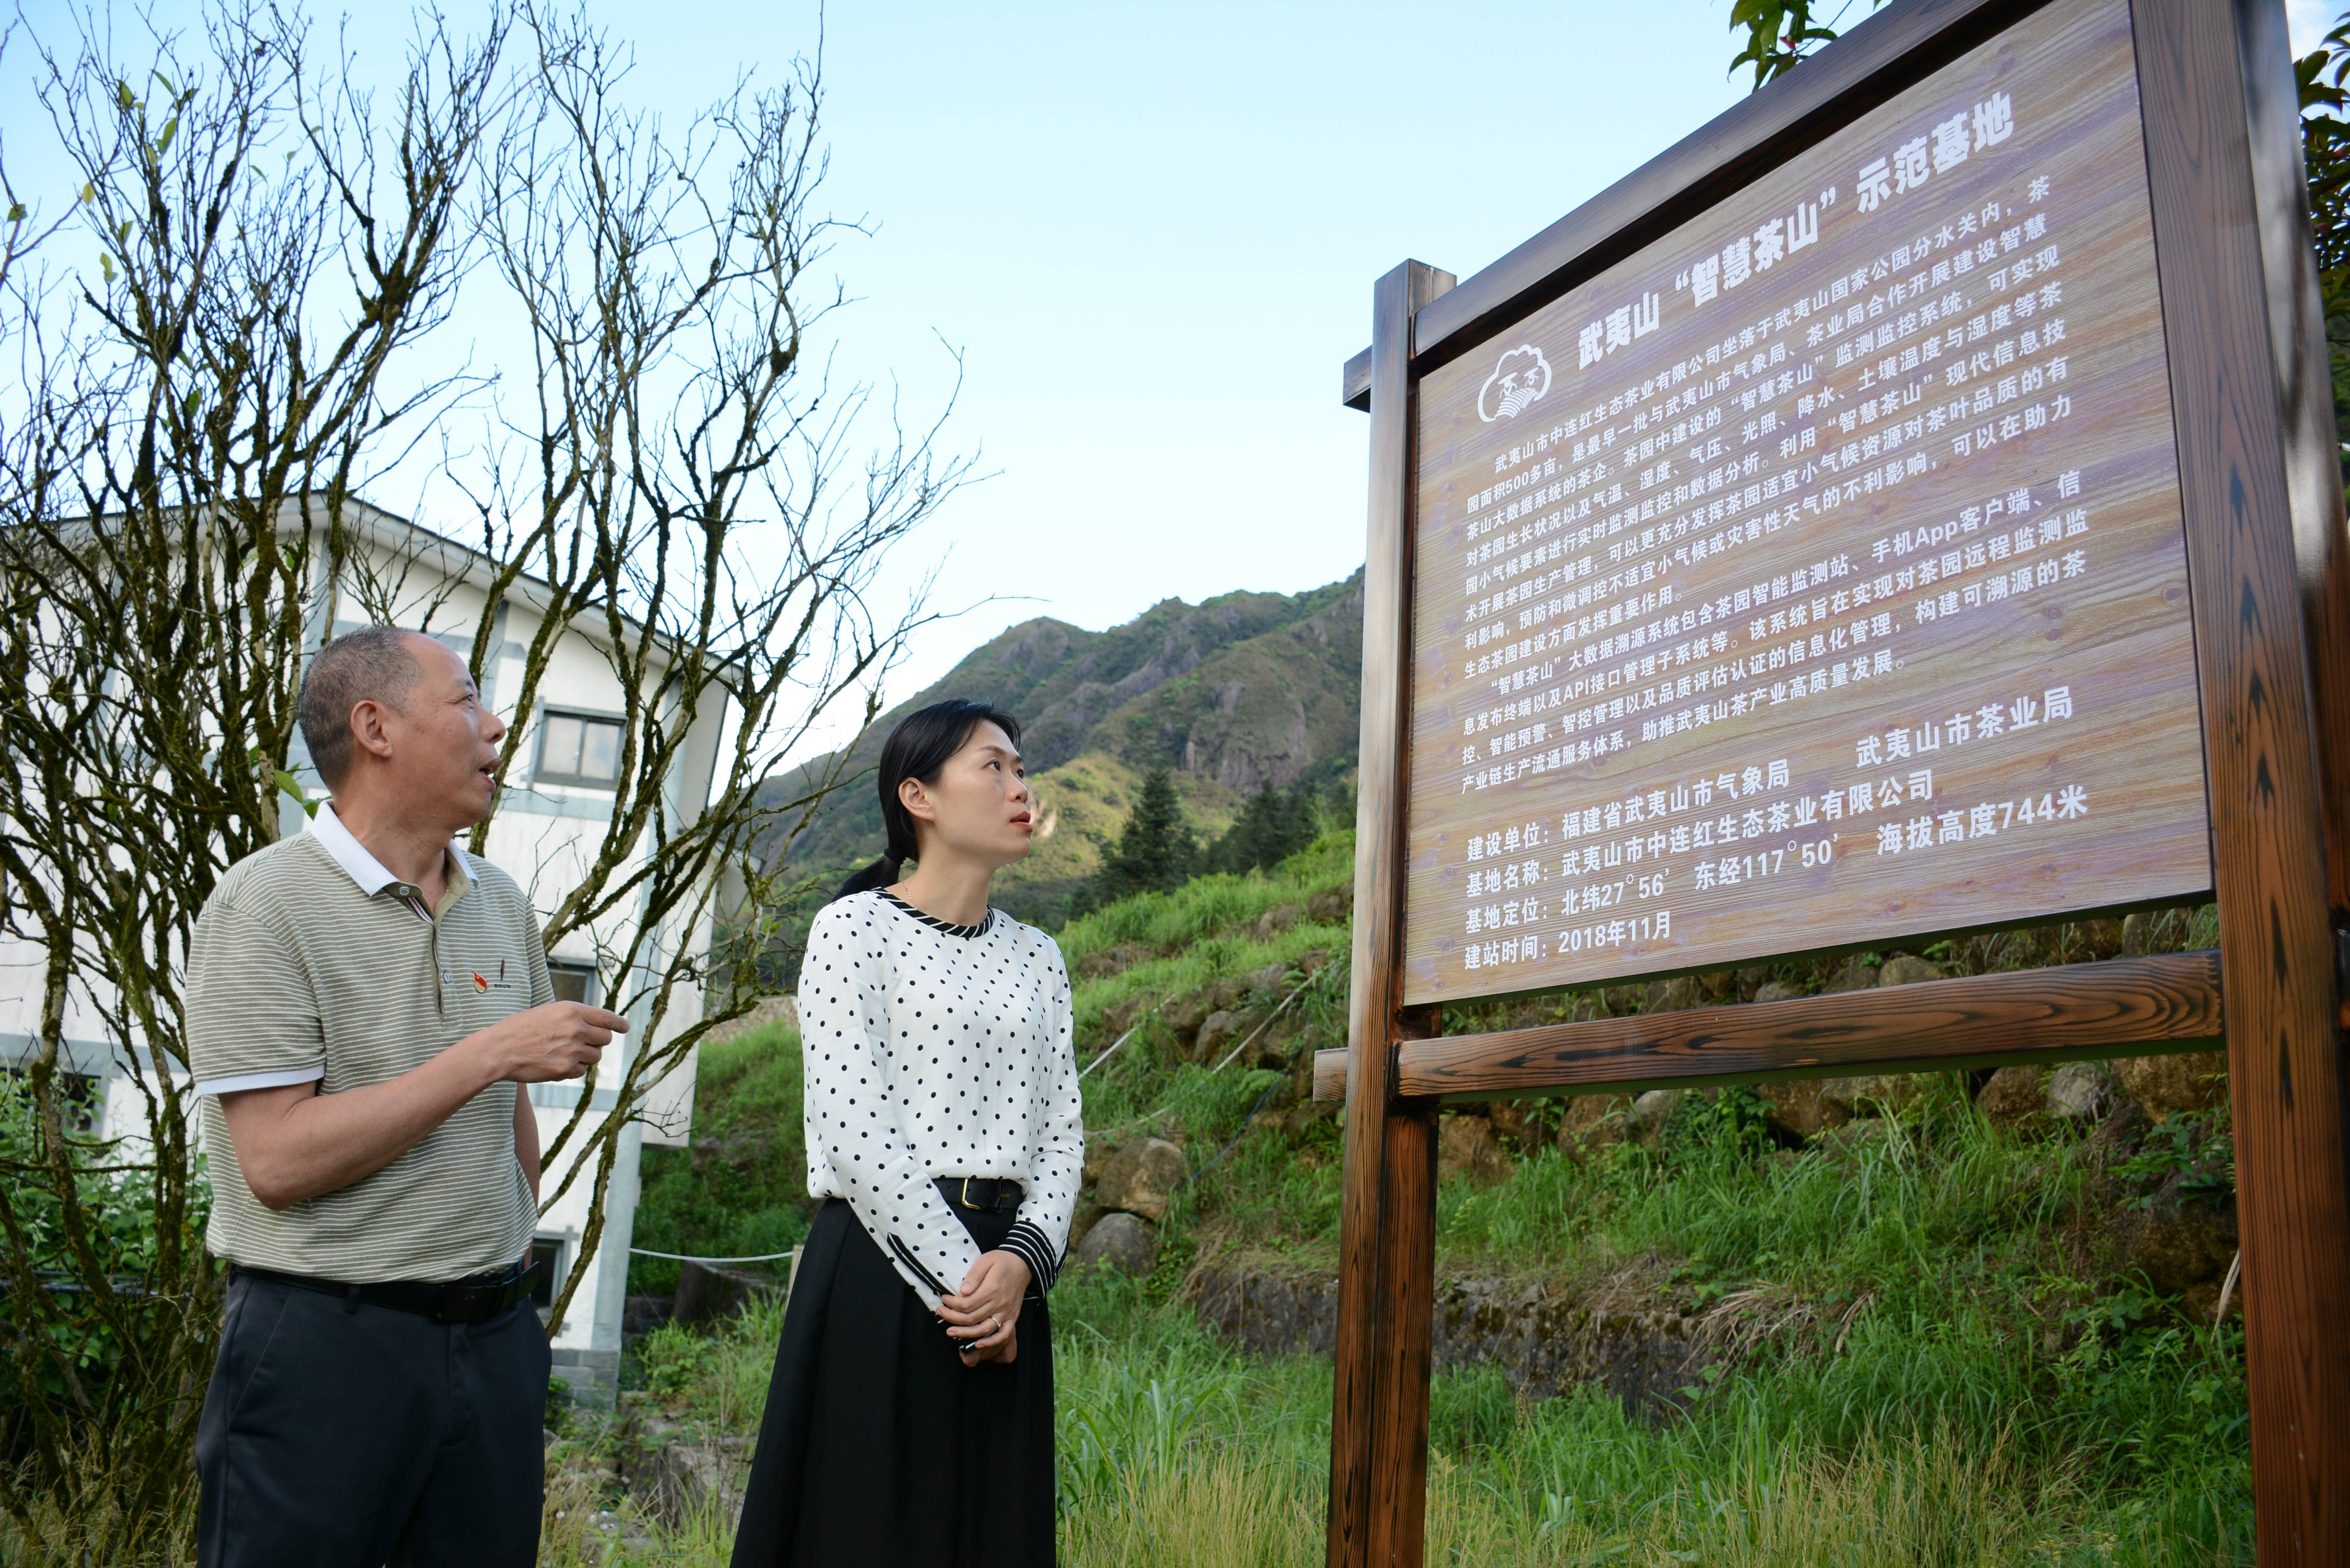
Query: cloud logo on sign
x=1522 y=377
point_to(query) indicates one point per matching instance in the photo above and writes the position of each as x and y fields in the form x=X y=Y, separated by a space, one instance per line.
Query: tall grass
x=1924 y=1373
x=1924 y=1349
x=718 y=1380
x=1174 y=1449
x=1206 y=906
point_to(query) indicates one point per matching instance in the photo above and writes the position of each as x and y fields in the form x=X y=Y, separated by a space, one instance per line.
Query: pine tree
x=1155 y=852
x=1274 y=825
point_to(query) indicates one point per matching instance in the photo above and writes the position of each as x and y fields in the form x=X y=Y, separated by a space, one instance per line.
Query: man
x=365 y=1003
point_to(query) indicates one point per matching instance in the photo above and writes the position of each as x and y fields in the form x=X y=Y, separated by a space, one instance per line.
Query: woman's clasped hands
x=984 y=1318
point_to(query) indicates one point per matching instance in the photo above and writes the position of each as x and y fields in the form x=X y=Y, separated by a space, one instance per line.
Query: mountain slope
x=1243 y=690
x=1266 y=712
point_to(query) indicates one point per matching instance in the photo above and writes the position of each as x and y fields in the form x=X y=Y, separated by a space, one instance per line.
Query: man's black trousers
x=344 y=1435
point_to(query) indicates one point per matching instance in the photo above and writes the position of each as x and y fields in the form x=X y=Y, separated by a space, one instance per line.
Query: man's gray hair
x=374 y=663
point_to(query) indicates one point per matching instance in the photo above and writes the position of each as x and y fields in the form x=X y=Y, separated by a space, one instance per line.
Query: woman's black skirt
x=879 y=1445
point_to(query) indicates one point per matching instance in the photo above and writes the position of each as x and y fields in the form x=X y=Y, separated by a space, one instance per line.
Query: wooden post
x=2269 y=584
x=1378 y=1429
x=2305 y=385
x=2260 y=746
x=1406 y=1342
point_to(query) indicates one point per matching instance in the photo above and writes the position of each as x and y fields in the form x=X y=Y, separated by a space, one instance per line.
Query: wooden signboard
x=1813 y=576
x=1909 y=505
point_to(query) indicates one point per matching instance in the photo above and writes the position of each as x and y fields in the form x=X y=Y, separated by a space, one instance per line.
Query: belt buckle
x=963 y=1196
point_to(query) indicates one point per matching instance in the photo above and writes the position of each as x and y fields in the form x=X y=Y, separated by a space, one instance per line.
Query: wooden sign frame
x=2269 y=568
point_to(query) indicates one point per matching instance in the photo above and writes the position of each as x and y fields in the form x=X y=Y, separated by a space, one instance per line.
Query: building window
x=546 y=1252
x=580 y=748
x=575 y=981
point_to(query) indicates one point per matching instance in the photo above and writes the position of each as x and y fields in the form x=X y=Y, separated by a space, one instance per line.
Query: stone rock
x=1098 y=1149
x=1271 y=983
x=675 y=1471
x=1111 y=961
x=2136 y=930
x=2080 y=1092
x=1775 y=990
x=1276 y=1047
x=1855 y=975
x=2185 y=1237
x=1465 y=1145
x=1277 y=919
x=2016 y=1098
x=1267 y=1121
x=1719 y=982
x=1853 y=1134
x=2096 y=940
x=1871 y=1094
x=1590 y=1122
x=1903 y=969
x=783 y=1010
x=1184 y=1014
x=1511 y=1127
x=1829 y=1103
x=1120 y=1240
x=1279 y=1097
x=2195 y=1080
x=1332 y=906
x=1676 y=995
x=643 y=1314
x=1140 y=1178
x=1300 y=1118
x=2123 y=1128
x=1799 y=1109
x=707 y=1294
x=1218 y=1034
x=1545 y=1340
x=1082 y=1219
x=1645 y=1123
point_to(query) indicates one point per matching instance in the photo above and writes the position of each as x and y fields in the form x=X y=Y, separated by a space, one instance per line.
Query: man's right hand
x=553 y=1041
x=295 y=1142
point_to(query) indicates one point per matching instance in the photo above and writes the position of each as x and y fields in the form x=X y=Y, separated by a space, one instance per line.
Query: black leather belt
x=474 y=1300
x=995 y=1194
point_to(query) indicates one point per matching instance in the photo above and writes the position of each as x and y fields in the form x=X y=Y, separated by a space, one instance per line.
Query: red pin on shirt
x=481 y=982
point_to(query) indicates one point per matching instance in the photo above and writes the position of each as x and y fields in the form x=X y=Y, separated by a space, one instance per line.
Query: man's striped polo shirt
x=313 y=963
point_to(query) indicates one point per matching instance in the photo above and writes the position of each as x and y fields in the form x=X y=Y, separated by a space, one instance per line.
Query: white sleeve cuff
x=241 y=1081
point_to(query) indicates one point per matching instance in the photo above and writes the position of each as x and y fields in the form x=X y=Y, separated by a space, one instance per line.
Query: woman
x=911 y=1417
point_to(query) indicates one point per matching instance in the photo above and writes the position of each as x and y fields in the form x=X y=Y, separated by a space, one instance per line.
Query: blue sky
x=1152 y=231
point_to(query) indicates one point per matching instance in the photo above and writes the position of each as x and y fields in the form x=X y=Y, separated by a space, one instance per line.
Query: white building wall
x=545 y=836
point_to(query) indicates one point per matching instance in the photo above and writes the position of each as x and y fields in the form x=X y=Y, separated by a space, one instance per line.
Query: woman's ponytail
x=916 y=749
x=880 y=874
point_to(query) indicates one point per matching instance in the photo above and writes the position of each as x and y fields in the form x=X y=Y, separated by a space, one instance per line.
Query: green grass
x=1212 y=907
x=1922 y=1441
x=741 y=1190
x=1928 y=1338
x=1930 y=1352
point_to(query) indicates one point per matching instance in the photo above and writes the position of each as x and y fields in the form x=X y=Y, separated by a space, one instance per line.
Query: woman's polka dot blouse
x=935 y=1050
